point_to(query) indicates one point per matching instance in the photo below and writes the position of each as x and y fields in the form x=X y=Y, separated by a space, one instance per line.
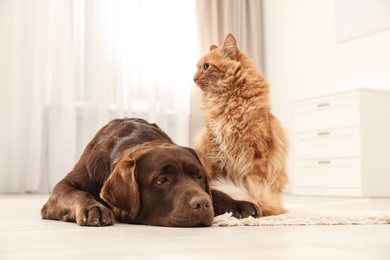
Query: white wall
x=302 y=57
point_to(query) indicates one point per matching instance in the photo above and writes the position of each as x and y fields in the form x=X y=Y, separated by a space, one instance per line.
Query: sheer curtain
x=67 y=67
x=217 y=18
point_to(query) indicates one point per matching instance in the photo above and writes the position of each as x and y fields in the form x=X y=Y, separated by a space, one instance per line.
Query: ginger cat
x=243 y=146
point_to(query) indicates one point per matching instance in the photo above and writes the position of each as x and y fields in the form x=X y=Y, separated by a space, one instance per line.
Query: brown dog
x=132 y=172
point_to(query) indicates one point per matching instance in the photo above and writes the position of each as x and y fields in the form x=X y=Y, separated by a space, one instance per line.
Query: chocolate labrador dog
x=132 y=172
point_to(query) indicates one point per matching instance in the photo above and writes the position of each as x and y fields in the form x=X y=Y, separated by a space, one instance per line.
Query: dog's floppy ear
x=120 y=190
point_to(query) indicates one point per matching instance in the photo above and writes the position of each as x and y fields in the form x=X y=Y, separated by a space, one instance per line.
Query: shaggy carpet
x=350 y=212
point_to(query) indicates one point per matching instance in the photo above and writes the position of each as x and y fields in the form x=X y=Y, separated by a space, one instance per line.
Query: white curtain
x=215 y=19
x=68 y=67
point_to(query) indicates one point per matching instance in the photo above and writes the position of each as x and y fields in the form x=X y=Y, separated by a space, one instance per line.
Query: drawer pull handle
x=323 y=133
x=323 y=162
x=323 y=105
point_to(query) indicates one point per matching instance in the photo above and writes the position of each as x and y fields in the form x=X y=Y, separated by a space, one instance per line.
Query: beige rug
x=352 y=212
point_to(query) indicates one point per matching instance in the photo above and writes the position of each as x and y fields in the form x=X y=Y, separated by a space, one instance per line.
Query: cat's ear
x=213 y=47
x=230 y=45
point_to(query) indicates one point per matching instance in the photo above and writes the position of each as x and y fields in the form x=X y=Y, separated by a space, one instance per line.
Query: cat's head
x=212 y=67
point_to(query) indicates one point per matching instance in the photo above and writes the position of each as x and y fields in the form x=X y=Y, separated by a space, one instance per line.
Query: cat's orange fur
x=243 y=145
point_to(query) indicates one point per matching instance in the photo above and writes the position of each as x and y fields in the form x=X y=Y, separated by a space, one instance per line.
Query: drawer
x=327 y=173
x=340 y=142
x=326 y=112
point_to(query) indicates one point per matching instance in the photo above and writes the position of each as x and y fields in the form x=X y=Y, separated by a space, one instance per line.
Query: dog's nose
x=200 y=203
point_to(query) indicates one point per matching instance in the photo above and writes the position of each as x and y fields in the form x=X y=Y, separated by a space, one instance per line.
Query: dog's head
x=160 y=184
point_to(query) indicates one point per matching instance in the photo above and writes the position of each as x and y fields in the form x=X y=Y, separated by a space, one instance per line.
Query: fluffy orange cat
x=243 y=145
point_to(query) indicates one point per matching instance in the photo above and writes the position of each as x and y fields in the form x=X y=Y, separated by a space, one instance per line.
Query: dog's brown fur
x=132 y=172
x=243 y=145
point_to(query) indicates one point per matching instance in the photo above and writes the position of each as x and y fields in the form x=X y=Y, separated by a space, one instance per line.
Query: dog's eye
x=206 y=66
x=198 y=176
x=162 y=180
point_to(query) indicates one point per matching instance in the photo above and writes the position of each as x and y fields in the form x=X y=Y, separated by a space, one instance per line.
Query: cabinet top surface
x=345 y=92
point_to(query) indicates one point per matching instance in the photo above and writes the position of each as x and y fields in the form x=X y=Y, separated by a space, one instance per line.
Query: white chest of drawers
x=341 y=144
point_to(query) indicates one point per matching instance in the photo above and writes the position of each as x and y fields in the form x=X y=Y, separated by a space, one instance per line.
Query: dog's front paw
x=244 y=209
x=97 y=215
x=223 y=203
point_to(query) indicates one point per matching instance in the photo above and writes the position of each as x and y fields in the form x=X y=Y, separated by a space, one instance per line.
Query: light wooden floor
x=23 y=235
